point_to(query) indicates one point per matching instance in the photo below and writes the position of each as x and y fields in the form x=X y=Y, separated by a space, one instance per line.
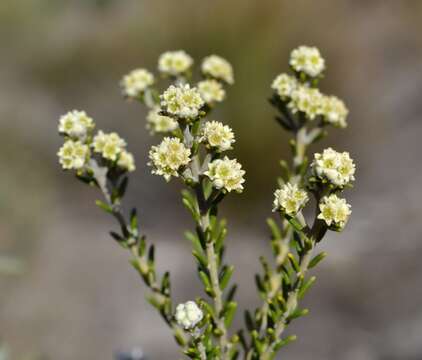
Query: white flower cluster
x=307 y=59
x=334 y=111
x=174 y=63
x=211 y=91
x=112 y=147
x=307 y=100
x=217 y=136
x=182 y=101
x=136 y=82
x=218 y=68
x=73 y=155
x=157 y=123
x=226 y=174
x=337 y=168
x=335 y=211
x=188 y=314
x=290 y=199
x=284 y=85
x=168 y=157
x=76 y=124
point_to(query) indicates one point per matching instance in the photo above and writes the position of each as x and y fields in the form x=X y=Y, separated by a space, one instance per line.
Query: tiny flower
x=76 y=124
x=337 y=168
x=335 y=211
x=157 y=123
x=226 y=174
x=136 y=82
x=218 y=68
x=126 y=161
x=334 y=111
x=188 y=314
x=284 y=85
x=182 y=101
x=290 y=199
x=211 y=91
x=73 y=155
x=174 y=63
x=217 y=136
x=308 y=60
x=306 y=100
x=169 y=157
x=108 y=145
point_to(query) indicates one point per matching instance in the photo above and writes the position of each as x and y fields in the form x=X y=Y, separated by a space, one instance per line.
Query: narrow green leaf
x=107 y=208
x=317 y=259
x=225 y=277
x=229 y=313
x=275 y=230
x=306 y=286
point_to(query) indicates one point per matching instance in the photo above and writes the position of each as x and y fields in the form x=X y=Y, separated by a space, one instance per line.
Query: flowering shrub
x=194 y=150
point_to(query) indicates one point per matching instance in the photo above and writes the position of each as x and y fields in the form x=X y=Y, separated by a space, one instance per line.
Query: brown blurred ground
x=78 y=298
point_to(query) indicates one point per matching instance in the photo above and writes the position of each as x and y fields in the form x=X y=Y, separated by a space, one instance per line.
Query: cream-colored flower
x=307 y=100
x=126 y=161
x=169 y=157
x=226 y=174
x=188 y=314
x=182 y=101
x=157 y=123
x=290 y=199
x=136 y=82
x=76 y=124
x=334 y=111
x=284 y=85
x=174 y=63
x=337 y=168
x=73 y=155
x=335 y=211
x=308 y=60
x=218 y=136
x=218 y=68
x=109 y=145
x=211 y=91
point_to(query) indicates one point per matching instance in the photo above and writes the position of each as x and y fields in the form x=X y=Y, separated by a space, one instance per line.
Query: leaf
x=229 y=313
x=231 y=293
x=317 y=259
x=107 y=208
x=280 y=343
x=116 y=236
x=250 y=323
x=225 y=277
x=297 y=314
x=123 y=186
x=133 y=219
x=205 y=279
x=275 y=230
x=306 y=286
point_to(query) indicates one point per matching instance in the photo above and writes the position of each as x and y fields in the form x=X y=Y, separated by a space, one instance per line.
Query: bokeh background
x=67 y=291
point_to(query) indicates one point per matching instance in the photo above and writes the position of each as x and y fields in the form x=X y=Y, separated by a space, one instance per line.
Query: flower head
x=136 y=82
x=218 y=136
x=290 y=199
x=126 y=161
x=157 y=123
x=284 y=85
x=182 y=101
x=308 y=60
x=226 y=174
x=73 y=155
x=218 y=68
x=211 y=91
x=76 y=124
x=168 y=157
x=108 y=145
x=337 y=168
x=307 y=100
x=174 y=63
x=335 y=211
x=334 y=111
x=188 y=314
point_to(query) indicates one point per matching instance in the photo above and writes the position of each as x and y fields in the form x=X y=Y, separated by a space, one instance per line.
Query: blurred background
x=66 y=289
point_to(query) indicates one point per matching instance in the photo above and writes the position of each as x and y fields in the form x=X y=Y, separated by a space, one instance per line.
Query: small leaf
x=104 y=206
x=226 y=276
x=229 y=313
x=306 y=286
x=317 y=259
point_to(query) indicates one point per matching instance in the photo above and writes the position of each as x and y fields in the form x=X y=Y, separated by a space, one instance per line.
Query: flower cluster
x=308 y=60
x=218 y=68
x=226 y=174
x=169 y=157
x=290 y=199
x=217 y=136
x=136 y=82
x=182 y=101
x=337 y=168
x=211 y=91
x=174 y=63
x=188 y=314
x=73 y=155
x=335 y=211
x=334 y=111
x=157 y=123
x=307 y=100
x=284 y=85
x=75 y=124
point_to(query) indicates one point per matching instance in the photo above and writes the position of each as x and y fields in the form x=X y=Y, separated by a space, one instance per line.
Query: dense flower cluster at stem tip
x=192 y=148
